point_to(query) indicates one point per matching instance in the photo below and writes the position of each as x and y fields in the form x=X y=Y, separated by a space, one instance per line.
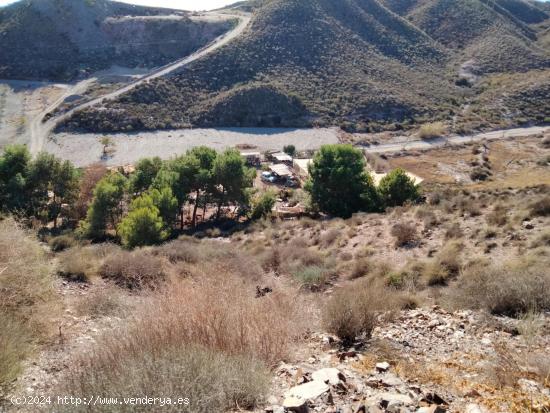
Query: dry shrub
x=454 y=231
x=28 y=302
x=432 y=130
x=312 y=275
x=498 y=216
x=353 y=310
x=271 y=261
x=540 y=208
x=78 y=264
x=61 y=243
x=405 y=234
x=511 y=289
x=542 y=240
x=223 y=314
x=92 y=175
x=207 y=338
x=100 y=303
x=329 y=237
x=429 y=218
x=212 y=382
x=445 y=266
x=361 y=267
x=408 y=278
x=184 y=249
x=134 y=270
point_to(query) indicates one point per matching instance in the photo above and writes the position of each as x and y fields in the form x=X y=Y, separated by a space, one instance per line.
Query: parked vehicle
x=268 y=177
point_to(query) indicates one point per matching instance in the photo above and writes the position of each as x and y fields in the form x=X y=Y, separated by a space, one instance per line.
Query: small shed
x=301 y=167
x=281 y=170
x=252 y=158
x=282 y=157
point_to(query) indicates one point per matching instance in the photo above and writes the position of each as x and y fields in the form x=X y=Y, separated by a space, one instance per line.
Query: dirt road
x=40 y=130
x=418 y=144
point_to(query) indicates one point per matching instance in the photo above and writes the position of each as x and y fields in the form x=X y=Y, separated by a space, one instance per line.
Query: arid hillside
x=360 y=64
x=67 y=39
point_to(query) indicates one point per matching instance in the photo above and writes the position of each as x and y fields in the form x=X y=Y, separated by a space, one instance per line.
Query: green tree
x=397 y=187
x=201 y=181
x=167 y=205
x=106 y=206
x=108 y=145
x=290 y=150
x=14 y=169
x=339 y=184
x=262 y=205
x=143 y=225
x=177 y=175
x=232 y=179
x=65 y=187
x=144 y=175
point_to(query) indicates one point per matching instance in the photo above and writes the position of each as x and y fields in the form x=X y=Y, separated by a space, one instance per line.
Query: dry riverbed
x=84 y=149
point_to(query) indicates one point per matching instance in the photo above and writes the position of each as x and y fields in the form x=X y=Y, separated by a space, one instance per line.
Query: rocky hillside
x=357 y=64
x=65 y=39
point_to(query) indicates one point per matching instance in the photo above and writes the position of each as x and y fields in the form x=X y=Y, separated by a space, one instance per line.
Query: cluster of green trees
x=141 y=208
x=38 y=188
x=340 y=185
x=144 y=207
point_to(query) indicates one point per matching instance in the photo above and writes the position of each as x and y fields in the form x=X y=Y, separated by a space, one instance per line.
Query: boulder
x=384 y=366
x=297 y=397
x=330 y=376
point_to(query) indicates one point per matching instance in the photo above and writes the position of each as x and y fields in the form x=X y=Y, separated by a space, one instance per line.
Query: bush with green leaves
x=262 y=205
x=397 y=188
x=36 y=188
x=106 y=208
x=143 y=225
x=339 y=184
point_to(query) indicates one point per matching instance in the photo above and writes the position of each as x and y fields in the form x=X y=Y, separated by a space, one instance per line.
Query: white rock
x=385 y=366
x=297 y=396
x=486 y=341
x=329 y=376
x=473 y=408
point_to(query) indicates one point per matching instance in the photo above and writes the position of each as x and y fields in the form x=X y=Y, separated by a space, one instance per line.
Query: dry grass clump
x=512 y=288
x=361 y=267
x=432 y=130
x=184 y=249
x=329 y=237
x=353 y=310
x=454 y=231
x=100 y=303
x=78 y=264
x=445 y=266
x=134 y=270
x=540 y=208
x=61 y=243
x=28 y=302
x=405 y=234
x=312 y=276
x=542 y=240
x=208 y=339
x=428 y=218
x=498 y=216
x=210 y=381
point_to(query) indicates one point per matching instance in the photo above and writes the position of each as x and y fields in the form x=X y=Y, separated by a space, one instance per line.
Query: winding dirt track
x=457 y=139
x=40 y=130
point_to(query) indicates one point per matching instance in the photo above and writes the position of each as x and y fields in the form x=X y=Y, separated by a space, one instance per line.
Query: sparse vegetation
x=133 y=270
x=512 y=288
x=28 y=302
x=405 y=234
x=432 y=130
